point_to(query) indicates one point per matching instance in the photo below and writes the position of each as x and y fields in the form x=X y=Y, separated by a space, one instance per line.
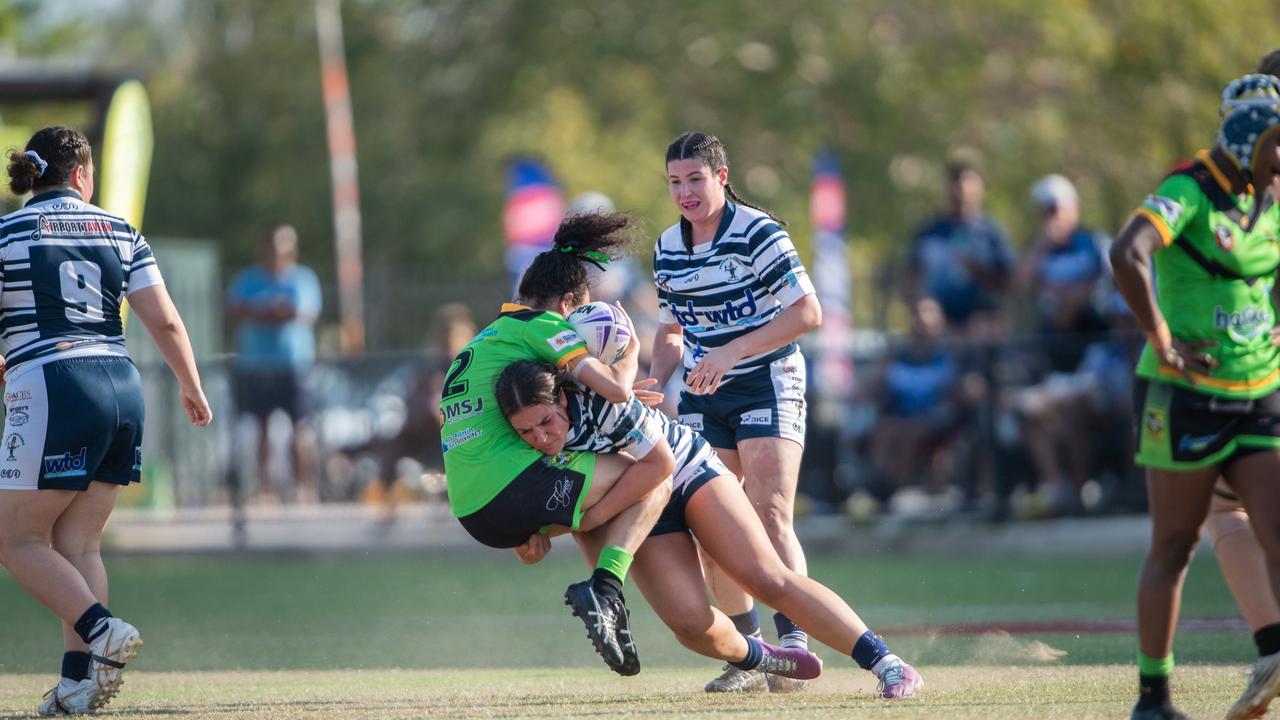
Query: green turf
x=955 y=693
x=478 y=609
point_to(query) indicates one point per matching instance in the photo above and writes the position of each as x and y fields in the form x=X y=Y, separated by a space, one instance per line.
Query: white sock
x=885 y=662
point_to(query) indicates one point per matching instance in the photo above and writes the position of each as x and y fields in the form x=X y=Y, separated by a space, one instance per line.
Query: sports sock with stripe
x=789 y=634
x=748 y=623
x=755 y=653
x=89 y=620
x=1153 y=681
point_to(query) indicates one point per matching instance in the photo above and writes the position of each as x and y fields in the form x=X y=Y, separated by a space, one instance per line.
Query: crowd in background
x=1007 y=396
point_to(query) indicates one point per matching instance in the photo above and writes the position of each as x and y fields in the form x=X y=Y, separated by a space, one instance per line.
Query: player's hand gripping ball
x=605 y=328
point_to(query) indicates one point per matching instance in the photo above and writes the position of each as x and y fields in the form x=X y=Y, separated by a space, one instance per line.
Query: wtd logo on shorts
x=66 y=464
x=758 y=417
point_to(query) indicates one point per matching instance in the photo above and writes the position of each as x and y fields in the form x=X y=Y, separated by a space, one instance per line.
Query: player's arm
x=155 y=309
x=668 y=352
x=799 y=318
x=645 y=475
x=612 y=382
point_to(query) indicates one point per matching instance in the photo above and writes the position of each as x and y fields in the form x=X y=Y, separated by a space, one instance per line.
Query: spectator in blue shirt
x=962 y=259
x=274 y=306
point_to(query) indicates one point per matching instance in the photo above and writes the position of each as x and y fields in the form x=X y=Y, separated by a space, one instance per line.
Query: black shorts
x=542 y=494
x=1181 y=430
x=259 y=391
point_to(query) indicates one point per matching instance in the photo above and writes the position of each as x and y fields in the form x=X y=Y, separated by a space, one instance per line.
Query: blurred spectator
x=1076 y=423
x=923 y=401
x=418 y=437
x=1065 y=273
x=274 y=306
x=962 y=259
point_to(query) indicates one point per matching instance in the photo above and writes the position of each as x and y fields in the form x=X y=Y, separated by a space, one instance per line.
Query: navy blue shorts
x=687 y=482
x=768 y=403
x=72 y=421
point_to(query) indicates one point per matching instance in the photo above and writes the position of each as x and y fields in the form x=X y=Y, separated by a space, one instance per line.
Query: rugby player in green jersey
x=1206 y=398
x=502 y=490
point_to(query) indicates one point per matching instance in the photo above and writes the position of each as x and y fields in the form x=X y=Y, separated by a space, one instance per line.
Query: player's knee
x=1173 y=550
x=690 y=627
x=1221 y=525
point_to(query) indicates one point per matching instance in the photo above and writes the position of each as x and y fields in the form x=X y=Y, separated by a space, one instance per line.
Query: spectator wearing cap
x=1064 y=274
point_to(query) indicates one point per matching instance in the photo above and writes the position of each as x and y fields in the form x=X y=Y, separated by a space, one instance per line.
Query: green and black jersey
x=482 y=453
x=1215 y=282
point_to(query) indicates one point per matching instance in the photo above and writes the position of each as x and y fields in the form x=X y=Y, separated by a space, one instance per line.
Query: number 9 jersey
x=73 y=398
x=65 y=269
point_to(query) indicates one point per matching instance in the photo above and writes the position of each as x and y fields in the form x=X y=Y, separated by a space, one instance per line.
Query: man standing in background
x=274 y=306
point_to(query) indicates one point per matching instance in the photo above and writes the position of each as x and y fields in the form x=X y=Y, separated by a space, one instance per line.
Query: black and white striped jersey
x=65 y=268
x=597 y=425
x=743 y=279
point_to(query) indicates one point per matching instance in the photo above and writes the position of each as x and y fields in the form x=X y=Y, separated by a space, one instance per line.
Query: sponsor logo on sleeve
x=757 y=417
x=562 y=340
x=693 y=420
x=1167 y=209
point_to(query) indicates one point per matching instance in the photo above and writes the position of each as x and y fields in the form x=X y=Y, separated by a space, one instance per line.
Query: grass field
x=474 y=634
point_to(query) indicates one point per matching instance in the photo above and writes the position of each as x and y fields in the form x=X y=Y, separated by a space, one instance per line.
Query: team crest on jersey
x=1226 y=240
x=663 y=280
x=1154 y=423
x=1167 y=209
x=730 y=267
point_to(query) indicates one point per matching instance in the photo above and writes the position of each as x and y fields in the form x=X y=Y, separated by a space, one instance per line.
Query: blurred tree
x=1108 y=92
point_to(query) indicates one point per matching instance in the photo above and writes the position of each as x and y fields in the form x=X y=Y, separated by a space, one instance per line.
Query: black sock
x=88 y=620
x=755 y=653
x=747 y=623
x=1153 y=691
x=606 y=583
x=1268 y=640
x=75 y=665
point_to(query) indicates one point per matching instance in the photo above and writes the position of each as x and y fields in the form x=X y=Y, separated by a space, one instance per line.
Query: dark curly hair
x=563 y=268
x=61 y=148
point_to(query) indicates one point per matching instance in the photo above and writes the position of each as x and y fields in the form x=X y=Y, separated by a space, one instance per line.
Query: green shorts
x=549 y=491
x=1182 y=430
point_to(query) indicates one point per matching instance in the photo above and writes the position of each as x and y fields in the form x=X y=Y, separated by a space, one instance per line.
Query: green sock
x=1155 y=667
x=615 y=561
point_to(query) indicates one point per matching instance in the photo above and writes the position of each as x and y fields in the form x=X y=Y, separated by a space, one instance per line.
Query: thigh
x=31 y=514
x=1179 y=502
x=609 y=468
x=1254 y=479
x=80 y=526
x=771 y=468
x=729 y=531
x=667 y=572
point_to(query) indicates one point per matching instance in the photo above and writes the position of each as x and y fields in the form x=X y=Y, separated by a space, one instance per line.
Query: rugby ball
x=604 y=328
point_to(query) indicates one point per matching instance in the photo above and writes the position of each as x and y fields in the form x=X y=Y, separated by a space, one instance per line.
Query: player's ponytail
x=526 y=383
x=49 y=159
x=583 y=238
x=708 y=150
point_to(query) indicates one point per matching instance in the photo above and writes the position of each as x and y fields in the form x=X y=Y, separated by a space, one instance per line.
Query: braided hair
x=592 y=237
x=49 y=159
x=526 y=383
x=707 y=149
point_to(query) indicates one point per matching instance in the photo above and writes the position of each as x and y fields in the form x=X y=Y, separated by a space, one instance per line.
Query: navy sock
x=88 y=620
x=755 y=653
x=789 y=634
x=1153 y=692
x=75 y=665
x=747 y=623
x=869 y=649
x=606 y=583
x=1268 y=640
